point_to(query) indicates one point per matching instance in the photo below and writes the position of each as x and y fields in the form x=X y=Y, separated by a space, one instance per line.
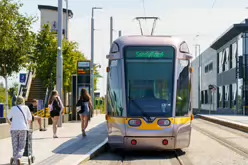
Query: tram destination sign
x=149 y=54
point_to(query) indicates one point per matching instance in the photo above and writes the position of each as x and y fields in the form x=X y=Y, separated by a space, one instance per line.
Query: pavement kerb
x=237 y=126
x=92 y=153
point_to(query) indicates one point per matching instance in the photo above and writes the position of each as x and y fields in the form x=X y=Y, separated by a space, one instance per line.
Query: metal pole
x=120 y=33
x=199 y=76
x=111 y=30
x=66 y=29
x=92 y=58
x=200 y=70
x=92 y=55
x=7 y=97
x=59 y=80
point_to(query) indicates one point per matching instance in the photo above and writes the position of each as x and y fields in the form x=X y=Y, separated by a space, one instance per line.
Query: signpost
x=23 y=77
x=83 y=79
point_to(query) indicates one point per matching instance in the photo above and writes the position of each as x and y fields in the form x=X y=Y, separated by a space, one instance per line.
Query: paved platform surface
x=233 y=119
x=69 y=148
x=236 y=122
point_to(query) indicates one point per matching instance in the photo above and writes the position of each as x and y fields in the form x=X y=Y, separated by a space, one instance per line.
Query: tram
x=148 y=93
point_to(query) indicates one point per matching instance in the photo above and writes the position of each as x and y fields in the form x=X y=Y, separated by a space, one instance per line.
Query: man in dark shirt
x=32 y=108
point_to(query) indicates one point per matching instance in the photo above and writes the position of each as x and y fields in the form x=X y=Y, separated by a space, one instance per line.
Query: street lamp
x=92 y=53
x=59 y=69
x=197 y=46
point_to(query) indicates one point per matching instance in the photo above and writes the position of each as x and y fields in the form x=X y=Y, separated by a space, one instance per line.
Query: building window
x=227 y=66
x=220 y=91
x=202 y=97
x=209 y=67
x=234 y=54
x=223 y=61
x=226 y=96
x=206 y=96
x=206 y=69
x=220 y=62
x=233 y=96
x=240 y=47
x=240 y=96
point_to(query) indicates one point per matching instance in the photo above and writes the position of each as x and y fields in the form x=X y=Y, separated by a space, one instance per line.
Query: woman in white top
x=21 y=118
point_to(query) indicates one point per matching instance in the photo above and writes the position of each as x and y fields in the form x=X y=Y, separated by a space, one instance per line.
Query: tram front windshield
x=149 y=76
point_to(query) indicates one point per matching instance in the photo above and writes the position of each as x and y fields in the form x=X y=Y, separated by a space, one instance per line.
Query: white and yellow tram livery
x=148 y=93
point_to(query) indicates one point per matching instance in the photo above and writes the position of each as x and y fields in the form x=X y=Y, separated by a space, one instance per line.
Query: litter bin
x=1 y=110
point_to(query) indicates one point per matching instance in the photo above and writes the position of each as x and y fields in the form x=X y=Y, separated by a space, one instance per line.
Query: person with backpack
x=56 y=108
x=19 y=118
x=85 y=106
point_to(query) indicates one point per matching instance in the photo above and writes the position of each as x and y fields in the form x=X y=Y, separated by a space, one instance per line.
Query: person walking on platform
x=56 y=108
x=19 y=118
x=37 y=118
x=86 y=105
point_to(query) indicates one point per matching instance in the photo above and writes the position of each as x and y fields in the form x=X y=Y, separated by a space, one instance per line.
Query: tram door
x=183 y=108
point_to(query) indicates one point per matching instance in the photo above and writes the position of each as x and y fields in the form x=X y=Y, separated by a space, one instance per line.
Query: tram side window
x=183 y=88
x=115 y=98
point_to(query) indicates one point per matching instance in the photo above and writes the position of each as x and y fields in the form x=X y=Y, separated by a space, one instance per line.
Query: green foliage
x=16 y=38
x=45 y=57
x=3 y=96
x=13 y=89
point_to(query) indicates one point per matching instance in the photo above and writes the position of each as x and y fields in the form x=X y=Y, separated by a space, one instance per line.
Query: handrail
x=29 y=85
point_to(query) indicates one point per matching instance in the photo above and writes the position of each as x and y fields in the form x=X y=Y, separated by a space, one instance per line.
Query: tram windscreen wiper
x=142 y=111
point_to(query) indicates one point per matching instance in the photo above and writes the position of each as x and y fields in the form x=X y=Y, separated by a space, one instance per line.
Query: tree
x=45 y=57
x=16 y=38
x=13 y=90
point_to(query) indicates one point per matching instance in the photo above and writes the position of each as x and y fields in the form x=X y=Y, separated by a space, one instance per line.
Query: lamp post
x=199 y=76
x=66 y=25
x=92 y=53
x=59 y=70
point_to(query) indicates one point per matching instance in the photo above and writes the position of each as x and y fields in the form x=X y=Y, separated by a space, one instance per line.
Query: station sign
x=83 y=68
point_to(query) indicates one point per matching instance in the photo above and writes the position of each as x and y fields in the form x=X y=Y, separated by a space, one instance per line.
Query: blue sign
x=40 y=105
x=22 y=77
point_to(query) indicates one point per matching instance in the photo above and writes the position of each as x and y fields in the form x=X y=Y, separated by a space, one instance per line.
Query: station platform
x=232 y=121
x=70 y=148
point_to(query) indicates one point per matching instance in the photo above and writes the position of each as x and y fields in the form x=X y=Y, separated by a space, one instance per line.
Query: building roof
x=54 y=8
x=232 y=32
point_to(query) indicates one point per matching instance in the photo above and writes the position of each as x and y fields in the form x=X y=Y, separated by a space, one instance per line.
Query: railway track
x=140 y=158
x=224 y=141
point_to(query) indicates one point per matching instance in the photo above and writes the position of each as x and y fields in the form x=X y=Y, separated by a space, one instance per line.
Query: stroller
x=28 y=151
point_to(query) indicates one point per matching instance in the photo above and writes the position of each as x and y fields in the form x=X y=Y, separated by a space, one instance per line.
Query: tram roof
x=148 y=40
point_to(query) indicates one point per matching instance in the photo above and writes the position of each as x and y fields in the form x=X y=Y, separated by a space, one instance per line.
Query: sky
x=182 y=18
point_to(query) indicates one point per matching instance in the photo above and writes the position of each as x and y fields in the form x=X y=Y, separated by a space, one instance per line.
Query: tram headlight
x=164 y=122
x=134 y=122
